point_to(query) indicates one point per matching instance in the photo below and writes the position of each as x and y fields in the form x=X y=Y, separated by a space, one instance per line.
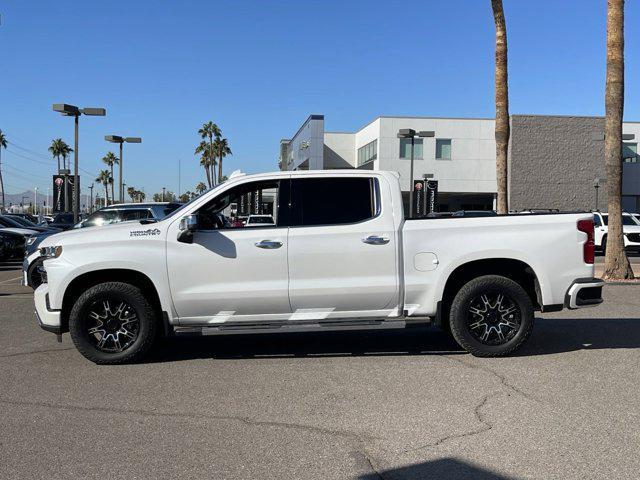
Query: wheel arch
x=89 y=279
x=516 y=270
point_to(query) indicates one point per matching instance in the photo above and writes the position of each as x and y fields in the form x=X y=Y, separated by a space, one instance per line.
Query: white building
x=461 y=157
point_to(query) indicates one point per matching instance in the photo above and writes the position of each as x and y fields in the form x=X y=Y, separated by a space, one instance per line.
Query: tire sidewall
x=462 y=301
x=128 y=293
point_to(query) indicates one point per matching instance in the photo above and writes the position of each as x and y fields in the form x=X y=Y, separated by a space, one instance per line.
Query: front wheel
x=113 y=323
x=491 y=316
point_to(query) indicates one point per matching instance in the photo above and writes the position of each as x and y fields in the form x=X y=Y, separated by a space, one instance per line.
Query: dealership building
x=554 y=161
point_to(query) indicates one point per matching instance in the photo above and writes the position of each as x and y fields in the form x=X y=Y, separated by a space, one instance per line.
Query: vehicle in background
x=32 y=218
x=630 y=231
x=11 y=245
x=9 y=224
x=438 y=215
x=349 y=260
x=259 y=221
x=62 y=221
x=124 y=212
x=25 y=223
x=475 y=213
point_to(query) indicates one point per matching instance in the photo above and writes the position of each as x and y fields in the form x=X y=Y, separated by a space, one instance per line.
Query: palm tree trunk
x=58 y=157
x=502 y=106
x=212 y=157
x=616 y=263
x=220 y=166
x=106 y=195
x=206 y=171
x=113 y=196
x=1 y=181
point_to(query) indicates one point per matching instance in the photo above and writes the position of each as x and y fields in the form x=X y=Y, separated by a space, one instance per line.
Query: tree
x=56 y=149
x=65 y=150
x=502 y=105
x=616 y=263
x=210 y=130
x=207 y=159
x=221 y=146
x=186 y=196
x=169 y=196
x=3 y=144
x=111 y=160
x=105 y=178
x=200 y=188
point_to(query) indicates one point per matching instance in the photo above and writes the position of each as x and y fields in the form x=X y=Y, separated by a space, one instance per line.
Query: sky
x=258 y=69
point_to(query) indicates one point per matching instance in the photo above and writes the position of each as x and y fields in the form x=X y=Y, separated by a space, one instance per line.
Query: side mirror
x=188 y=225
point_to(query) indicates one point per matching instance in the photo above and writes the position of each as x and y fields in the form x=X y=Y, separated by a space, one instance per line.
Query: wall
x=339 y=150
x=306 y=149
x=472 y=165
x=554 y=160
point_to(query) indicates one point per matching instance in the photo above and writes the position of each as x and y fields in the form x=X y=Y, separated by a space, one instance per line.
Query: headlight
x=51 y=252
x=31 y=240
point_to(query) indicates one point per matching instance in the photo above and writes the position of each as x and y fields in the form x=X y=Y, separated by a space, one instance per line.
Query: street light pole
x=73 y=111
x=411 y=133
x=35 y=201
x=121 y=140
x=91 y=198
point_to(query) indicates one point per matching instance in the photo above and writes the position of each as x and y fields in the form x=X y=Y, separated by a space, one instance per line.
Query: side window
x=332 y=201
x=596 y=221
x=257 y=201
x=134 y=214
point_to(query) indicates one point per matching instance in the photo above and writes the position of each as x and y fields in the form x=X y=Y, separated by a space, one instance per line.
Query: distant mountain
x=17 y=198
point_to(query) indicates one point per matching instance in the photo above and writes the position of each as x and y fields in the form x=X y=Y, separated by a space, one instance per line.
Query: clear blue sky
x=259 y=68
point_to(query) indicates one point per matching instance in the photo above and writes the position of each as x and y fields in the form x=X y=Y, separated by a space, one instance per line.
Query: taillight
x=589 y=248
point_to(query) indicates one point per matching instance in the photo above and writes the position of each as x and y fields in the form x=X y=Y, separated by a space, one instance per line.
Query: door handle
x=375 y=240
x=269 y=244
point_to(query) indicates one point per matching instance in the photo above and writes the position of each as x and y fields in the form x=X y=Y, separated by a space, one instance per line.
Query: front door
x=235 y=269
x=342 y=248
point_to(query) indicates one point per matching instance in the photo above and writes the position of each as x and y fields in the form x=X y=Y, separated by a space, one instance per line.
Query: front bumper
x=584 y=292
x=49 y=320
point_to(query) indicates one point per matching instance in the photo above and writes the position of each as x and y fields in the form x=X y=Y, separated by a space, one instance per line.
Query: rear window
x=332 y=201
x=626 y=220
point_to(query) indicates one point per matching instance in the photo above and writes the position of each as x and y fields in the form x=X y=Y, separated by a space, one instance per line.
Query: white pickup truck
x=339 y=255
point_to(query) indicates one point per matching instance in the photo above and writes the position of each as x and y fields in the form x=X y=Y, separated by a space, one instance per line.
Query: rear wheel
x=113 y=323
x=604 y=245
x=491 y=316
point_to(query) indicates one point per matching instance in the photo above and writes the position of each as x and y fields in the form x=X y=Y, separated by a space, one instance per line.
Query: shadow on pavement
x=550 y=336
x=446 y=468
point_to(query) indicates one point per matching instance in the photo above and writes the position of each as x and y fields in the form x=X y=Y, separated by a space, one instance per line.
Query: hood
x=21 y=231
x=105 y=233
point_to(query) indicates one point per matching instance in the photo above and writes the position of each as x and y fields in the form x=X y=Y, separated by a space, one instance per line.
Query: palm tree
x=502 y=105
x=132 y=193
x=3 y=144
x=206 y=160
x=210 y=130
x=111 y=160
x=56 y=149
x=65 y=150
x=105 y=178
x=221 y=146
x=616 y=263
x=200 y=188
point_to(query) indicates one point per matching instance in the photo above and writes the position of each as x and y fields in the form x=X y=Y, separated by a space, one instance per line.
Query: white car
x=259 y=221
x=340 y=255
x=630 y=230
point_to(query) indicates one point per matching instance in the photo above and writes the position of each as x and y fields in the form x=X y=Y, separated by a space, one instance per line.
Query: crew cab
x=630 y=231
x=339 y=255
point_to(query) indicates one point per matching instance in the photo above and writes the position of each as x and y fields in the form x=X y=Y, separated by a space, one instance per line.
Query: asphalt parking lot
x=372 y=405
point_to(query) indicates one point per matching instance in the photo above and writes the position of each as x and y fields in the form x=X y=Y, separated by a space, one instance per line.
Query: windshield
x=626 y=220
x=9 y=222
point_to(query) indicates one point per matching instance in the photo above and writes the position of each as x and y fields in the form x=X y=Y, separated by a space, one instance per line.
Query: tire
x=113 y=323
x=604 y=245
x=486 y=326
x=34 y=277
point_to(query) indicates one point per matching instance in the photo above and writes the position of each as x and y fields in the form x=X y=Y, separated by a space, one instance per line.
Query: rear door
x=342 y=247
